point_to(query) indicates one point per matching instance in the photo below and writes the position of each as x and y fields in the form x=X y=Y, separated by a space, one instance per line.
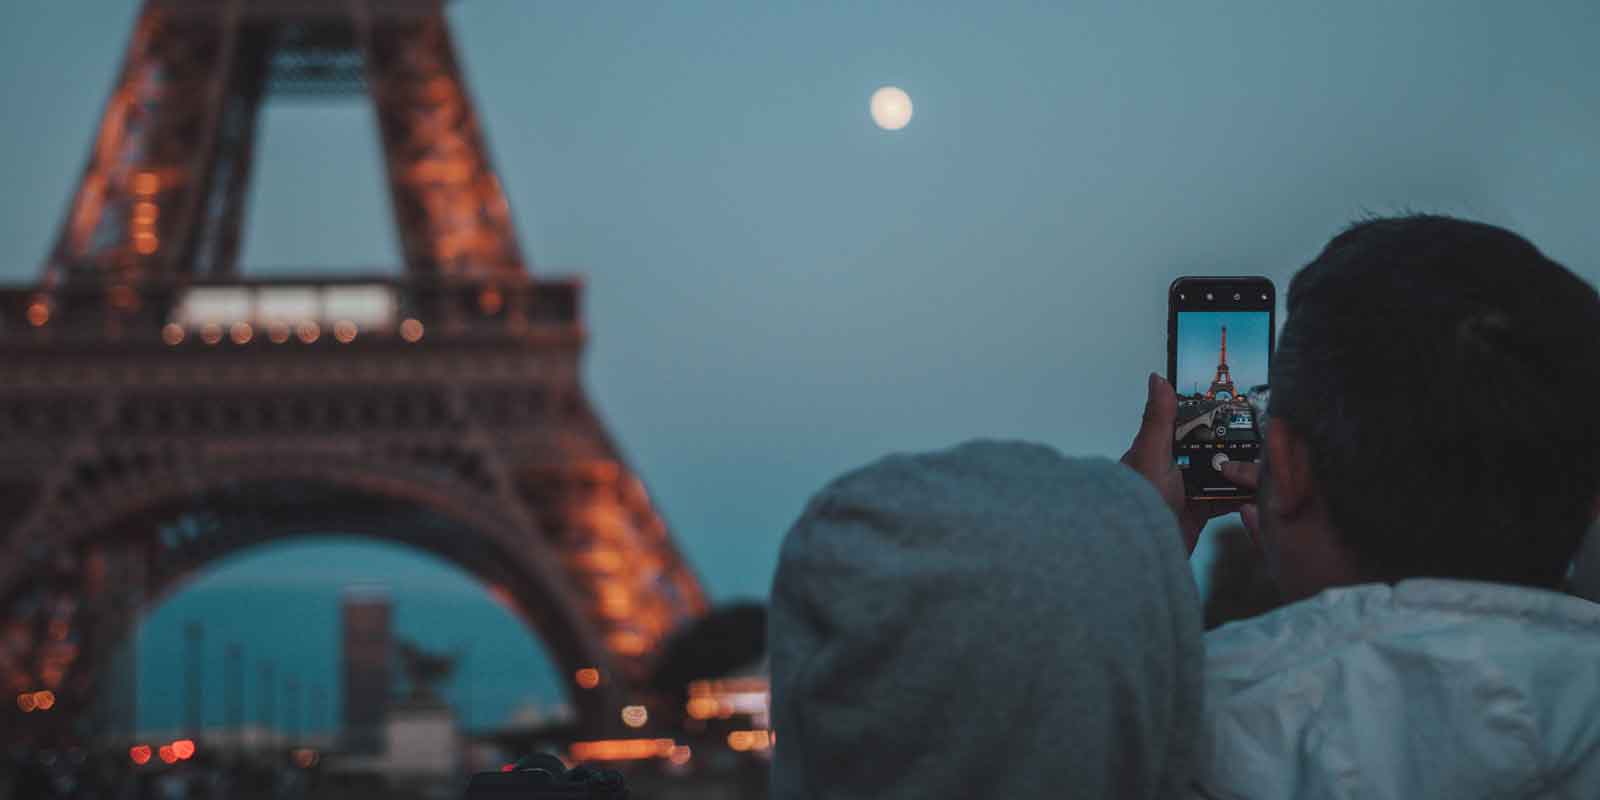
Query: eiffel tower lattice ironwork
x=1222 y=384
x=159 y=412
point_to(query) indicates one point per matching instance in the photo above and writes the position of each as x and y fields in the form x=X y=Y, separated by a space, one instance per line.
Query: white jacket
x=1424 y=689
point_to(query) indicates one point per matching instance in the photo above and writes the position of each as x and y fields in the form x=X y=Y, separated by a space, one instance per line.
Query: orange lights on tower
x=627 y=643
x=167 y=754
x=146 y=183
x=172 y=334
x=345 y=331
x=490 y=301
x=38 y=313
x=308 y=331
x=241 y=333
x=211 y=333
x=124 y=298
x=587 y=678
x=26 y=702
x=183 y=749
x=139 y=754
x=278 y=332
x=145 y=213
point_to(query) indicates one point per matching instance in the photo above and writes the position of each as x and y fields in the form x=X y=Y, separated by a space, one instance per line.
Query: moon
x=891 y=108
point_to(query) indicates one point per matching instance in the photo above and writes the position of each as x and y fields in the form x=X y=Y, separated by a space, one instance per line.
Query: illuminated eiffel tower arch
x=158 y=412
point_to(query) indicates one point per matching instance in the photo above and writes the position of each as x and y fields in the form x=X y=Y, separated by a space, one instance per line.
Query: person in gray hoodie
x=993 y=620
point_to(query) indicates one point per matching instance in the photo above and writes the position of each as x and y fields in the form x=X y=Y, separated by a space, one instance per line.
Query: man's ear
x=1289 y=462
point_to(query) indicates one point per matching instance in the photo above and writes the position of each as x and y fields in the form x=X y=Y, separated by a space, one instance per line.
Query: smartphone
x=1219 y=346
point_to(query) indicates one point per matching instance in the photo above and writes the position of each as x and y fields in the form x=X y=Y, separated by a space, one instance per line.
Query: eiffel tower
x=160 y=412
x=1223 y=383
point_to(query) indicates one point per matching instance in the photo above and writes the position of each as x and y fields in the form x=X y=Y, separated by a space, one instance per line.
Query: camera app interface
x=1221 y=355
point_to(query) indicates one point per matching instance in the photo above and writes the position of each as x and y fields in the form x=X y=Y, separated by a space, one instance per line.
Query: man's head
x=1434 y=410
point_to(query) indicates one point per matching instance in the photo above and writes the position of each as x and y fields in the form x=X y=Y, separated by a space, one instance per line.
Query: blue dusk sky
x=1199 y=345
x=778 y=291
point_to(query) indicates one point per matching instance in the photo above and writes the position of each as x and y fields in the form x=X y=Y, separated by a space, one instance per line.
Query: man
x=1431 y=464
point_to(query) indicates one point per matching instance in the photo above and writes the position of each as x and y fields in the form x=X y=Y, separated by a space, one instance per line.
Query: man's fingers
x=1153 y=443
x=1243 y=474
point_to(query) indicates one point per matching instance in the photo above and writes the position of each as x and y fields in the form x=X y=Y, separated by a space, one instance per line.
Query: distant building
x=364 y=662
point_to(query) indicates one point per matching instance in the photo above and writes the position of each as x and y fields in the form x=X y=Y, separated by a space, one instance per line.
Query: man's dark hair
x=1446 y=377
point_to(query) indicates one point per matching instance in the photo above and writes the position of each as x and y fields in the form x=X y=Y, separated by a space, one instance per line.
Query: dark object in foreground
x=543 y=777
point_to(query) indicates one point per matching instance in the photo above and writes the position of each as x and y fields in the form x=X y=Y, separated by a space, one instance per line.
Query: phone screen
x=1220 y=333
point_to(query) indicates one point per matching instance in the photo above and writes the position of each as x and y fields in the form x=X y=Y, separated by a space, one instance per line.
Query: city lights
x=183 y=749
x=139 y=753
x=622 y=749
x=29 y=702
x=124 y=298
x=38 y=314
x=680 y=754
x=345 y=331
x=167 y=754
x=724 y=698
x=211 y=333
x=635 y=716
x=411 y=330
x=703 y=708
x=172 y=333
x=240 y=333
x=745 y=741
x=587 y=678
x=308 y=331
x=305 y=757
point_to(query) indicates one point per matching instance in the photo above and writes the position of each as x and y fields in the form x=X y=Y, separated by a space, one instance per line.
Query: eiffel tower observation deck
x=161 y=412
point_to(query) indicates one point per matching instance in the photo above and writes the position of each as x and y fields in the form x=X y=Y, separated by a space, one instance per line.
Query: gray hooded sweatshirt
x=992 y=620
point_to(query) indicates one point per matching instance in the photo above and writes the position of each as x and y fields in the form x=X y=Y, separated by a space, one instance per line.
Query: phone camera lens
x=1209 y=296
x=1235 y=297
x=1263 y=295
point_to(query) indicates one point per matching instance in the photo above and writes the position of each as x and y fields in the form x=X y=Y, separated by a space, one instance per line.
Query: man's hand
x=1151 y=456
x=1246 y=475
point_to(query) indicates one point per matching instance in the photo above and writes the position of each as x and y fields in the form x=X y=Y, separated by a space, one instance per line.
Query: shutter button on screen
x=1218 y=460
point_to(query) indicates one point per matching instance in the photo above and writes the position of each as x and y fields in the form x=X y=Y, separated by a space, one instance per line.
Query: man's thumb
x=1160 y=414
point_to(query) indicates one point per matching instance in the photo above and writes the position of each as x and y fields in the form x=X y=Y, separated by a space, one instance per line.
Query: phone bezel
x=1221 y=285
